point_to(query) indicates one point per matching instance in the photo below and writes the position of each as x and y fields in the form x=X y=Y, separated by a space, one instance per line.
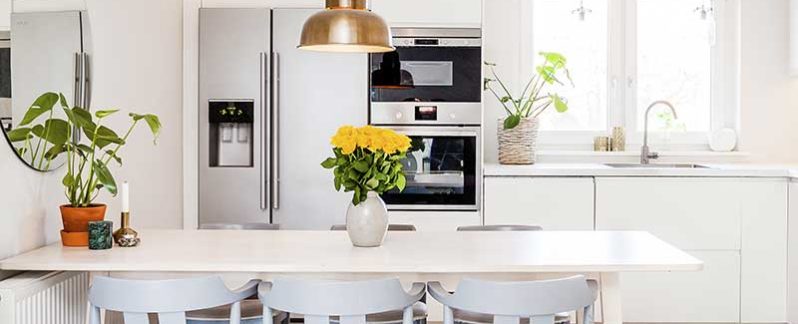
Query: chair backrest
x=170 y=299
x=317 y=300
x=391 y=227
x=249 y=226
x=496 y=228
x=508 y=302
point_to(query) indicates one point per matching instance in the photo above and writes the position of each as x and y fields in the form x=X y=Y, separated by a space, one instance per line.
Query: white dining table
x=417 y=255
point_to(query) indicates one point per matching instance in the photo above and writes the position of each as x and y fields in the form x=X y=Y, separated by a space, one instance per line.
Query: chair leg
x=235 y=313
x=268 y=317
x=94 y=315
x=448 y=316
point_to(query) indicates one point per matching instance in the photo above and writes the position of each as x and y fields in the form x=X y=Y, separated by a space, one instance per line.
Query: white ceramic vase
x=367 y=222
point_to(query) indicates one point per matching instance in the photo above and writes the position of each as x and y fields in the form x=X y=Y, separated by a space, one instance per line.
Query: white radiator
x=44 y=298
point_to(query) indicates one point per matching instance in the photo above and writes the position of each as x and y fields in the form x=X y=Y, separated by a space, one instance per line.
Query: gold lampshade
x=346 y=26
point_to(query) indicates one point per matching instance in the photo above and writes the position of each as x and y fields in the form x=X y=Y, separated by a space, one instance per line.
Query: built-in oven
x=430 y=89
x=433 y=65
x=443 y=170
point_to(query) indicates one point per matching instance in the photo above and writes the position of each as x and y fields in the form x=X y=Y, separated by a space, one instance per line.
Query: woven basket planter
x=518 y=145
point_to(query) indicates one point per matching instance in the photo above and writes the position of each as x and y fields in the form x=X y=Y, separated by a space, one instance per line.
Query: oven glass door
x=441 y=174
x=427 y=74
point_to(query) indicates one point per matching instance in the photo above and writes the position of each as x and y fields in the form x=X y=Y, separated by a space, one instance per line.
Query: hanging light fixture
x=346 y=26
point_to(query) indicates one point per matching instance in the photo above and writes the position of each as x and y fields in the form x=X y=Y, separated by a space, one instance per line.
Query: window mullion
x=630 y=67
x=616 y=73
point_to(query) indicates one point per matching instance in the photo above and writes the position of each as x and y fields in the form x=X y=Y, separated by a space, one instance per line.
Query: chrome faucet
x=645 y=153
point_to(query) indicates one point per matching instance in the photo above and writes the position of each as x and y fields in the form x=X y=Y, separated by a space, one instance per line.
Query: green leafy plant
x=36 y=140
x=87 y=163
x=367 y=159
x=532 y=101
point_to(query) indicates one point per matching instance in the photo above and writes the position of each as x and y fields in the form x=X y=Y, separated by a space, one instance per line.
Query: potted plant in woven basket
x=87 y=161
x=518 y=131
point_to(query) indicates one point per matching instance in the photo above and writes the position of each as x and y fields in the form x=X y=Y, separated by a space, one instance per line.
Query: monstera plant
x=518 y=131
x=90 y=148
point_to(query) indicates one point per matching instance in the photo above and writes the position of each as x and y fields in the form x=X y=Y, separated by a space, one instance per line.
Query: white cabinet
x=553 y=203
x=425 y=13
x=737 y=226
x=711 y=295
x=792 y=278
x=763 y=274
x=435 y=221
x=690 y=213
x=5 y=15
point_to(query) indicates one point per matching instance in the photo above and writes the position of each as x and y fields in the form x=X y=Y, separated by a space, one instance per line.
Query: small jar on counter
x=618 y=139
x=602 y=144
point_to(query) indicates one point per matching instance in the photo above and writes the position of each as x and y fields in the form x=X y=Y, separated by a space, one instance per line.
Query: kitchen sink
x=657 y=166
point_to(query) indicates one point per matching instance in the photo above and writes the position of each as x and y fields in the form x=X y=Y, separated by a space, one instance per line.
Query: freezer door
x=316 y=94
x=234 y=70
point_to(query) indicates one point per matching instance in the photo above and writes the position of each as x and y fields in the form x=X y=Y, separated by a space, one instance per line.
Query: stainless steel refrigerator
x=267 y=111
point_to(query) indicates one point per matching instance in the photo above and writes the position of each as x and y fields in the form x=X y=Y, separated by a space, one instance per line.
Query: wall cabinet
x=737 y=226
x=423 y=13
x=553 y=203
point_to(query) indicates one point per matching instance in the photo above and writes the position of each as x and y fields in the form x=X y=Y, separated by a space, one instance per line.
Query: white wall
x=769 y=96
x=138 y=67
x=29 y=202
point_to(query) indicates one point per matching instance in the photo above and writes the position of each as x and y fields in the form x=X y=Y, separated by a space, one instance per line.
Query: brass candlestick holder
x=126 y=236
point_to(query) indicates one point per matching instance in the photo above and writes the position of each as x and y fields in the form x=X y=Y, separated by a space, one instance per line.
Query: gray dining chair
x=538 y=302
x=499 y=228
x=344 y=302
x=173 y=301
x=391 y=227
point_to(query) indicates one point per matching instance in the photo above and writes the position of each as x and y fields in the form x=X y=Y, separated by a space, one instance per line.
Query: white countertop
x=602 y=170
x=402 y=252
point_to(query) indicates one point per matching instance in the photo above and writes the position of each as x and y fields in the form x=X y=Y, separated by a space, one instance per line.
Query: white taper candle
x=125 y=197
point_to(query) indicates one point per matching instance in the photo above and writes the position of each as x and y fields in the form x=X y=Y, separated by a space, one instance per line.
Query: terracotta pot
x=74 y=238
x=76 y=219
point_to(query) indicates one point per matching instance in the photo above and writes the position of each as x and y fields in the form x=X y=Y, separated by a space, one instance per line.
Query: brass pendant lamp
x=346 y=26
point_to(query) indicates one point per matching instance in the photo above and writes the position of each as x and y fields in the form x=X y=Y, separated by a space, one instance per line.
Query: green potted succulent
x=89 y=146
x=518 y=131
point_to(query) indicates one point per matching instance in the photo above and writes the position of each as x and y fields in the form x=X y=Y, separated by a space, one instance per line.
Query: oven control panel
x=419 y=113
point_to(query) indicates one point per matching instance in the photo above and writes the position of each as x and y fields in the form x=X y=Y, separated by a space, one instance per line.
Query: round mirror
x=41 y=54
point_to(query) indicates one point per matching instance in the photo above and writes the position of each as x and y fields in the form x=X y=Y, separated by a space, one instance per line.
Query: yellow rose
x=349 y=138
x=345 y=139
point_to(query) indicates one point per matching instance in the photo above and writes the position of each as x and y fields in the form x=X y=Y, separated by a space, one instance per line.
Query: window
x=625 y=54
x=584 y=43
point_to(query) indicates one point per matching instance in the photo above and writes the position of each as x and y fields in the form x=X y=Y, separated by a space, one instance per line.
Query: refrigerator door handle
x=276 y=131
x=86 y=96
x=77 y=100
x=78 y=80
x=264 y=131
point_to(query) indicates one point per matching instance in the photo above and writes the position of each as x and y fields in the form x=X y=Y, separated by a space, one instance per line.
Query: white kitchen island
x=417 y=256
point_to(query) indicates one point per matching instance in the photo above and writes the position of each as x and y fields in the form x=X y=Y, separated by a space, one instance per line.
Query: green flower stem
x=118 y=146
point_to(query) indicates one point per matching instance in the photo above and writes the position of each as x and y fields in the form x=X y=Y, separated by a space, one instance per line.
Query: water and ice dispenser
x=231 y=133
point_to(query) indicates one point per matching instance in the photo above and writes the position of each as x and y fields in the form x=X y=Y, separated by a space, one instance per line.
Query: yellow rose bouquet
x=367 y=159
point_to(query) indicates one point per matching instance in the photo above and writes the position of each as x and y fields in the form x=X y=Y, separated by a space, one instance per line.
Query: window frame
x=622 y=75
